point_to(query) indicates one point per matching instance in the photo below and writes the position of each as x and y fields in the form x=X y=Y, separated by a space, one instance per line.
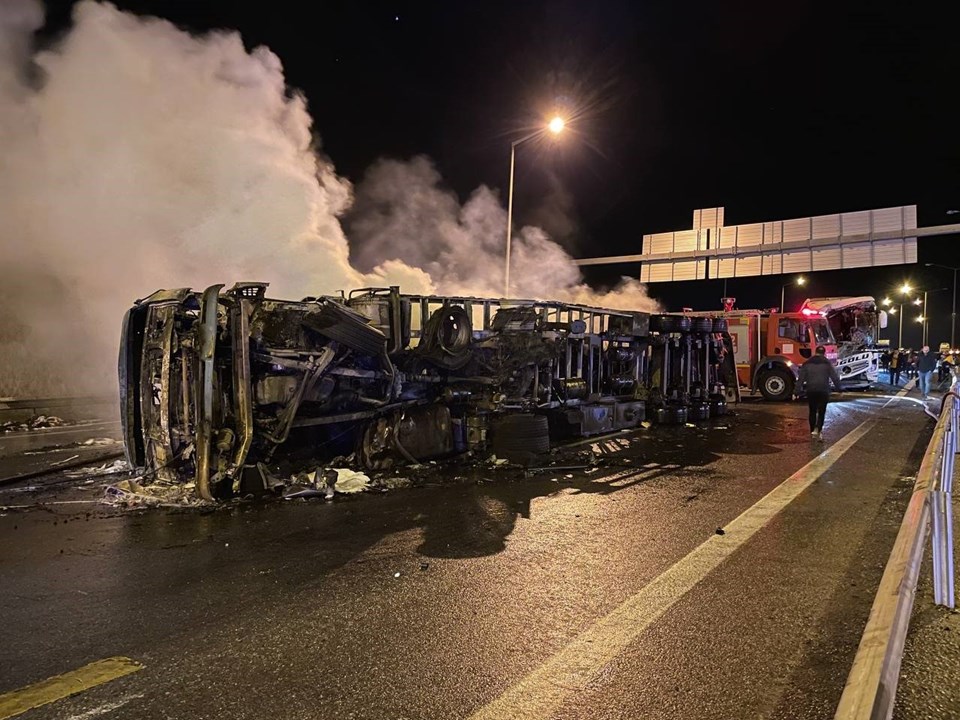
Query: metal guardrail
x=872 y=683
x=941 y=505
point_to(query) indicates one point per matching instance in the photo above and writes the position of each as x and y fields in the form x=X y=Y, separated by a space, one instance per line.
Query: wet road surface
x=601 y=595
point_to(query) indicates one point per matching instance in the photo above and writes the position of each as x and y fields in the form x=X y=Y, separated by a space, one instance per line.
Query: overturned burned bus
x=215 y=384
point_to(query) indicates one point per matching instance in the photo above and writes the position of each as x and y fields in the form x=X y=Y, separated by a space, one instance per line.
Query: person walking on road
x=926 y=364
x=816 y=375
x=896 y=365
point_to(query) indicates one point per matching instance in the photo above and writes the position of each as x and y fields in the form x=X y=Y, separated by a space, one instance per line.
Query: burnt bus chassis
x=214 y=384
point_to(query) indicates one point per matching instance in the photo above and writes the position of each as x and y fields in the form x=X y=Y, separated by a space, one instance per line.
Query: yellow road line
x=61 y=686
x=541 y=693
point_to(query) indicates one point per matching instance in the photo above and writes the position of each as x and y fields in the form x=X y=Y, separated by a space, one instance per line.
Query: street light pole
x=953 y=313
x=900 y=332
x=801 y=280
x=925 y=319
x=555 y=126
x=506 y=270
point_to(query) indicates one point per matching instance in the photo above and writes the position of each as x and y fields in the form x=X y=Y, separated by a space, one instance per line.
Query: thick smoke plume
x=135 y=156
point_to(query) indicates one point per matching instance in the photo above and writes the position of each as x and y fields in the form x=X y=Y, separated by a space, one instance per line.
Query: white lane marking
x=106 y=707
x=541 y=693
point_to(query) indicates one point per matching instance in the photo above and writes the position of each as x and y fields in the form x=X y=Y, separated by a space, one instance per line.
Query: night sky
x=773 y=110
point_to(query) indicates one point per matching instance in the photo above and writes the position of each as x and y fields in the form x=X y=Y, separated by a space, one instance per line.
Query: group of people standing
x=922 y=365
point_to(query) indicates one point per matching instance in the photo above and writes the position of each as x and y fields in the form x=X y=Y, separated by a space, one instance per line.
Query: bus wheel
x=776 y=385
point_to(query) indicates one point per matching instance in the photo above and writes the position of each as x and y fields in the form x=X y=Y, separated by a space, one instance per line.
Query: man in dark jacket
x=926 y=364
x=816 y=374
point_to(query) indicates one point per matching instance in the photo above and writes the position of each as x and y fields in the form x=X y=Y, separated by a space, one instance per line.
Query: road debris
x=117 y=466
x=325 y=482
x=130 y=494
x=40 y=422
x=350 y=481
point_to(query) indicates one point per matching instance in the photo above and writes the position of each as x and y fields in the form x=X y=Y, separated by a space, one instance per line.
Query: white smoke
x=402 y=210
x=136 y=156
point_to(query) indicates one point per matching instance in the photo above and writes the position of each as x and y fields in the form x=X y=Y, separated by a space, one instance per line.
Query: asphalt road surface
x=718 y=571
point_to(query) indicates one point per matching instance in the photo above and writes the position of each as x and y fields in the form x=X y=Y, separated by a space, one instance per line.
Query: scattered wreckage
x=215 y=385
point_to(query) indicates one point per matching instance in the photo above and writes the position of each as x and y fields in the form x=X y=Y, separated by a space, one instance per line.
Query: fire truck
x=766 y=349
x=769 y=348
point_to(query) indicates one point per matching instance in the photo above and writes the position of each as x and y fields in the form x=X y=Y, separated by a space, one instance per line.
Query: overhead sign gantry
x=710 y=249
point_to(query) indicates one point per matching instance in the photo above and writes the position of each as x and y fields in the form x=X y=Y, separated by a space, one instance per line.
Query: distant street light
x=924 y=317
x=555 y=126
x=904 y=289
x=801 y=281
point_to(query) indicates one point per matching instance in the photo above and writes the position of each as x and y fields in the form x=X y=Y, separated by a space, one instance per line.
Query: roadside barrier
x=872 y=683
x=98 y=407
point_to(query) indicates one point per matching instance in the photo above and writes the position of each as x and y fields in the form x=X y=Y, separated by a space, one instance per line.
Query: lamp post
x=953 y=313
x=888 y=303
x=905 y=289
x=801 y=281
x=555 y=126
x=923 y=319
x=893 y=311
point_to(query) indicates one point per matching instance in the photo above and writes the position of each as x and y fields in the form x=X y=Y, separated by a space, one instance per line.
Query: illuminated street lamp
x=904 y=289
x=555 y=126
x=924 y=318
x=801 y=281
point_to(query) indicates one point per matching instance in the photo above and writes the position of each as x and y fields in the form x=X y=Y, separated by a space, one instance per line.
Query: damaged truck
x=216 y=385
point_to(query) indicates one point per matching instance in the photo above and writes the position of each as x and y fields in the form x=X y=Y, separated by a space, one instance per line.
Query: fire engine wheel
x=521 y=437
x=776 y=385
